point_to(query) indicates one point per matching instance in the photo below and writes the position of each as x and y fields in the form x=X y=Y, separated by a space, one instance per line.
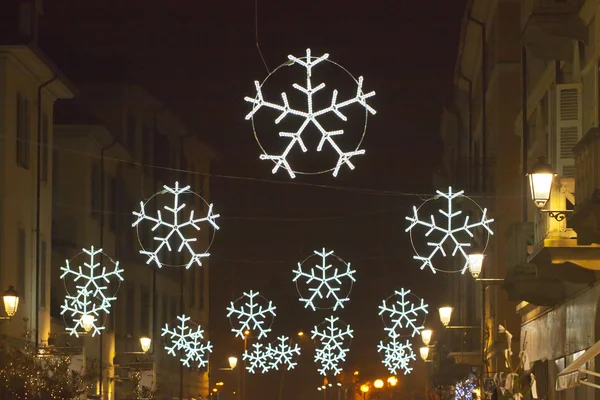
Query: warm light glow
x=87 y=321
x=339 y=384
x=424 y=351
x=364 y=388
x=219 y=383
x=475 y=264
x=300 y=334
x=540 y=182
x=477 y=393
x=145 y=343
x=378 y=383
x=426 y=335
x=356 y=373
x=445 y=314
x=11 y=301
x=215 y=390
x=232 y=362
x=246 y=333
x=392 y=381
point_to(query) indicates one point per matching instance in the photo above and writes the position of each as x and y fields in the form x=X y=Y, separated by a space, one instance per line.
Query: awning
x=571 y=376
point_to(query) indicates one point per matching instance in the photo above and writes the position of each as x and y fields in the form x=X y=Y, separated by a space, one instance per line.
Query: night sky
x=201 y=59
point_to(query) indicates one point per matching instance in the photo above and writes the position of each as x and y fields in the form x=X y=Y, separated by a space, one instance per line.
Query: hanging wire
x=256 y=36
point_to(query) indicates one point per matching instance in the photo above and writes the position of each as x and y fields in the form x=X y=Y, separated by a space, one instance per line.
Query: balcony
x=550 y=26
x=586 y=218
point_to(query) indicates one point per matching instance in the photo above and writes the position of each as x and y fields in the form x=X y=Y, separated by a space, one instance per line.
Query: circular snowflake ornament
x=251 y=312
x=403 y=314
x=396 y=354
x=175 y=232
x=283 y=353
x=333 y=339
x=89 y=290
x=327 y=284
x=312 y=116
x=454 y=233
x=187 y=337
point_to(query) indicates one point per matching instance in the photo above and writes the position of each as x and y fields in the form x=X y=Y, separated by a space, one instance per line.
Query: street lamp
x=424 y=352
x=300 y=333
x=392 y=381
x=87 y=321
x=378 y=384
x=426 y=336
x=475 y=262
x=364 y=389
x=145 y=343
x=11 y=301
x=445 y=314
x=540 y=182
x=232 y=362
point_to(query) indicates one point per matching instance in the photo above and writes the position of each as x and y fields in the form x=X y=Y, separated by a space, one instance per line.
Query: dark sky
x=200 y=57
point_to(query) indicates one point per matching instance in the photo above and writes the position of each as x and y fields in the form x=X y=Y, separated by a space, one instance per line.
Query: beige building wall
x=23 y=74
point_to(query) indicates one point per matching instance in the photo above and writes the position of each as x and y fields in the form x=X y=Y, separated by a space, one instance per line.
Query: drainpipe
x=483 y=100
x=102 y=215
x=38 y=209
x=525 y=128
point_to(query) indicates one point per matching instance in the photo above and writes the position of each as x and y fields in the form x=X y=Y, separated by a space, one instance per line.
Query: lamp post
x=364 y=389
x=11 y=303
x=541 y=179
x=233 y=362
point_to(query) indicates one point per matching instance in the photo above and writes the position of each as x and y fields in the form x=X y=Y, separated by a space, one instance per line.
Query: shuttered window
x=568 y=127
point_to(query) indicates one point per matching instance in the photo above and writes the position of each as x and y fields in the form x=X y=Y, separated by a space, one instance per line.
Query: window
x=201 y=288
x=21 y=262
x=44 y=150
x=145 y=312
x=42 y=273
x=96 y=190
x=23 y=132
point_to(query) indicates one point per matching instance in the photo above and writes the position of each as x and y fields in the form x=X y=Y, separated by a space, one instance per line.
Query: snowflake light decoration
x=92 y=296
x=404 y=313
x=175 y=227
x=259 y=359
x=247 y=313
x=282 y=353
x=333 y=345
x=449 y=232
x=324 y=282
x=396 y=355
x=310 y=116
x=188 y=338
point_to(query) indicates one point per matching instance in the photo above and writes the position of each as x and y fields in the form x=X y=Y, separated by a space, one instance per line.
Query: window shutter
x=568 y=127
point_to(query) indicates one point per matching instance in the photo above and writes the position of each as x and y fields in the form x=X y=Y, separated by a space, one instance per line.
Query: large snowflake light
x=310 y=116
x=396 y=354
x=403 y=313
x=333 y=344
x=251 y=312
x=259 y=359
x=91 y=298
x=283 y=353
x=324 y=282
x=174 y=227
x=187 y=337
x=448 y=233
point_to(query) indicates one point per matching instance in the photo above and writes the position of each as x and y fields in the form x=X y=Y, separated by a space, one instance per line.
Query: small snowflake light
x=251 y=312
x=187 y=337
x=283 y=353
x=324 y=282
x=259 y=359
x=449 y=233
x=402 y=313
x=174 y=227
x=92 y=297
x=396 y=354
x=310 y=116
x=333 y=337
x=464 y=390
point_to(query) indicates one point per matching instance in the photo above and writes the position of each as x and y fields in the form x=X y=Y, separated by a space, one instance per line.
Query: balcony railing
x=532 y=7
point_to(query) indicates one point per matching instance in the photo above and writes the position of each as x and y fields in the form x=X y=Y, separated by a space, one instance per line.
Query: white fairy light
x=333 y=345
x=188 y=337
x=324 y=282
x=91 y=298
x=396 y=354
x=310 y=116
x=258 y=359
x=403 y=313
x=449 y=232
x=175 y=227
x=250 y=312
x=283 y=353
